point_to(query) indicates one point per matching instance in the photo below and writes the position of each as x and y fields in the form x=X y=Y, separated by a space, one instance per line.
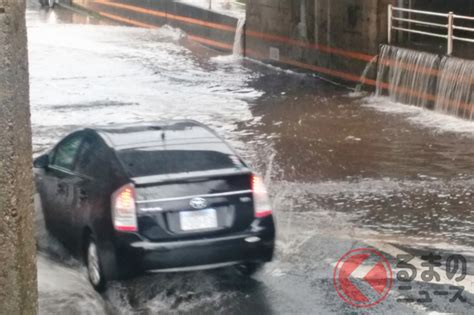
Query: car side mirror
x=42 y=161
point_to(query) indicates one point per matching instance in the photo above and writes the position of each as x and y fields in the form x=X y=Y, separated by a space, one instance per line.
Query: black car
x=159 y=197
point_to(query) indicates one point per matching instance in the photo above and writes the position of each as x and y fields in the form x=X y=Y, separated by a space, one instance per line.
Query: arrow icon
x=379 y=277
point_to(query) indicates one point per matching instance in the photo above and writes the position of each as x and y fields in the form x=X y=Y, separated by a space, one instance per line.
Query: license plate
x=198 y=220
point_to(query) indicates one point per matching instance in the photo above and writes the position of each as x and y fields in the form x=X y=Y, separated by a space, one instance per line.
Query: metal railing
x=450 y=26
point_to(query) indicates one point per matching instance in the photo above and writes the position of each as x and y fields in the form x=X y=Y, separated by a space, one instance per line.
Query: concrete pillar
x=18 y=288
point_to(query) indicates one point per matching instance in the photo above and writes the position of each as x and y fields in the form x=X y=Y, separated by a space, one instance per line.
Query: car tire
x=95 y=271
x=248 y=269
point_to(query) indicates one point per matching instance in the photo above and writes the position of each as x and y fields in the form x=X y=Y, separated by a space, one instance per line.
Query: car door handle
x=61 y=188
x=82 y=195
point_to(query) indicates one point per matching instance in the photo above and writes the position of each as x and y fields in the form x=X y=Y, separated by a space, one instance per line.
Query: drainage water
x=363 y=77
x=238 y=40
x=427 y=80
x=408 y=73
x=455 y=95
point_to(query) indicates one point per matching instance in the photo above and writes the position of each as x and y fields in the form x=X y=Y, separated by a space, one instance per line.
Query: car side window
x=92 y=159
x=66 y=152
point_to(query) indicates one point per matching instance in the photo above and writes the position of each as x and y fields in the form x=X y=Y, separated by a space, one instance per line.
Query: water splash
x=238 y=48
x=65 y=290
x=363 y=77
x=62 y=284
x=455 y=95
x=409 y=74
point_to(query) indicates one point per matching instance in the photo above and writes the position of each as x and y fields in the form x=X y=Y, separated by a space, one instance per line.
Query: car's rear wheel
x=94 y=266
x=249 y=269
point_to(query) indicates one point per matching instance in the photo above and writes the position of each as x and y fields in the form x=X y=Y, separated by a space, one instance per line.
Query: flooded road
x=344 y=169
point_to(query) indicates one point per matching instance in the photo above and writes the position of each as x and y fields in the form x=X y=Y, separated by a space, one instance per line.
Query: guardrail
x=450 y=26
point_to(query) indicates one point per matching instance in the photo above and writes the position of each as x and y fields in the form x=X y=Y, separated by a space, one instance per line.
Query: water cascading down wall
x=442 y=83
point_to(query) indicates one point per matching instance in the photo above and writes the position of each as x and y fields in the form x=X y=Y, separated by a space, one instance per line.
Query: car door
x=60 y=178
x=93 y=190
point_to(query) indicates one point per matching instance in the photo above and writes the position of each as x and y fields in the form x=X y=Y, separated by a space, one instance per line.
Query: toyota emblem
x=198 y=203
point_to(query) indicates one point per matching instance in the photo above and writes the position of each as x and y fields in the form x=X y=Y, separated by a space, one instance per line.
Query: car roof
x=161 y=133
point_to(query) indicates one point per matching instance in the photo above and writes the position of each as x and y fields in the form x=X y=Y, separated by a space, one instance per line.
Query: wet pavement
x=345 y=170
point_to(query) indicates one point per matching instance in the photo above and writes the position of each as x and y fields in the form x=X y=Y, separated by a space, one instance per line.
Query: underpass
x=345 y=170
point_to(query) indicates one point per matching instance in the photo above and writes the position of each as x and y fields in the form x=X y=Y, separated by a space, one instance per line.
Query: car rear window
x=172 y=160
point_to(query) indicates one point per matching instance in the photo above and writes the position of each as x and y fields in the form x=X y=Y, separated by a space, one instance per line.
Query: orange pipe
x=125 y=20
x=211 y=42
x=157 y=13
x=327 y=49
x=198 y=39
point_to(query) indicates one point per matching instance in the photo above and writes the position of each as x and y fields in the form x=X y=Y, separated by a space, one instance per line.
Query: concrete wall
x=204 y=26
x=336 y=38
x=462 y=7
x=18 y=289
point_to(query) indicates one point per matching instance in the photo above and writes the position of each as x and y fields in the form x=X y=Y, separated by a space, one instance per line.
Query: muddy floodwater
x=342 y=167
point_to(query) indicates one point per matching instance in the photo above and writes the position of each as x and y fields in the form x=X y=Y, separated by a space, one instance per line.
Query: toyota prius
x=170 y=196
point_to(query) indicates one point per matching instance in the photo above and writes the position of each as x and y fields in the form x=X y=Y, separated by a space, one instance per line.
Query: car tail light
x=261 y=201
x=124 y=209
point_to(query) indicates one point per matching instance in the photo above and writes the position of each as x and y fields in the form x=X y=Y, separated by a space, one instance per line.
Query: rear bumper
x=254 y=245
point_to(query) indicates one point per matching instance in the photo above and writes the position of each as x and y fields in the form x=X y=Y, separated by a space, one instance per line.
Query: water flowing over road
x=343 y=168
